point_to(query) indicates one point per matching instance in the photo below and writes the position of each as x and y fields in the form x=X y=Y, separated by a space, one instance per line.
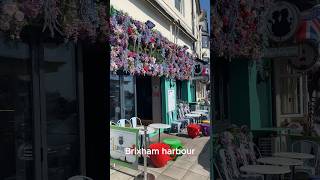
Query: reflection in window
x=62 y=111
x=179 y=6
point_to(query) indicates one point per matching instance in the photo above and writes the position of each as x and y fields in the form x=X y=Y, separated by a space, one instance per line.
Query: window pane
x=290 y=95
x=115 y=112
x=16 y=122
x=62 y=111
x=129 y=96
x=204 y=41
x=179 y=92
x=178 y=4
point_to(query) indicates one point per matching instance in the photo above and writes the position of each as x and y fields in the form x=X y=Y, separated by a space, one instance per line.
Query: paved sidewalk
x=186 y=167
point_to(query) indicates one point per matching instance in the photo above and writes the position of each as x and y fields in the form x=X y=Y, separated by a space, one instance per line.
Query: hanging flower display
x=238 y=29
x=140 y=50
x=72 y=19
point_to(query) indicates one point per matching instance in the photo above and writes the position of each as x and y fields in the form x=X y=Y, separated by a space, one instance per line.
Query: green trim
x=165 y=86
x=124 y=129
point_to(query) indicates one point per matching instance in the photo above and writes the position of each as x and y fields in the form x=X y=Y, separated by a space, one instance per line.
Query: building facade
x=45 y=78
x=147 y=97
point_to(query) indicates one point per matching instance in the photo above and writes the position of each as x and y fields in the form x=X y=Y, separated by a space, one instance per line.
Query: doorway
x=39 y=111
x=144 y=98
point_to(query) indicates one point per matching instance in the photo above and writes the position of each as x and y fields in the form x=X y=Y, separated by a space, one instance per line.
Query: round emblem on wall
x=282 y=21
x=308 y=57
x=198 y=69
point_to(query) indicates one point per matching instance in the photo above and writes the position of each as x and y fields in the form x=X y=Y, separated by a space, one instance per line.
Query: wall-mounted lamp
x=150 y=24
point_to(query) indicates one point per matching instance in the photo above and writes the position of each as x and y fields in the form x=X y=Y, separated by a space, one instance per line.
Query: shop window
x=290 y=91
x=205 y=42
x=179 y=6
x=122 y=97
x=179 y=90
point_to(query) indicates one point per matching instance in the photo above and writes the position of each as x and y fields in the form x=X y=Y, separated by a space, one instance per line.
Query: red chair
x=193 y=130
x=161 y=159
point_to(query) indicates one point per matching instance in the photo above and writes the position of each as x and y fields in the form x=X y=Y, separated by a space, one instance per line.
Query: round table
x=294 y=155
x=282 y=162
x=265 y=170
x=141 y=130
x=159 y=126
x=193 y=115
x=205 y=111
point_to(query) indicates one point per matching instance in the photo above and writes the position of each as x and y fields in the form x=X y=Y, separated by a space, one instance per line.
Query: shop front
x=45 y=132
x=148 y=76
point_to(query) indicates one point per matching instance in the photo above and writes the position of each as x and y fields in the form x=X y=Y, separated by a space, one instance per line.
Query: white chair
x=79 y=177
x=227 y=161
x=122 y=122
x=304 y=146
x=134 y=121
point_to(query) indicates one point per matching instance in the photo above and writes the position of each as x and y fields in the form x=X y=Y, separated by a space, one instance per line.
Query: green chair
x=174 y=144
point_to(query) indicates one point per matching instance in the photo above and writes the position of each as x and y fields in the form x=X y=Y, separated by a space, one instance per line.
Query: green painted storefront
x=188 y=95
x=250 y=99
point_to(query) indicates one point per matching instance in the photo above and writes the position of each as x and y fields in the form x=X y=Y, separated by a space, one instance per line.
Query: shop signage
x=307 y=58
x=122 y=138
x=281 y=52
x=171 y=100
x=282 y=21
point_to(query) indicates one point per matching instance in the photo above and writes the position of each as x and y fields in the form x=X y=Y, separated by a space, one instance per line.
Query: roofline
x=171 y=17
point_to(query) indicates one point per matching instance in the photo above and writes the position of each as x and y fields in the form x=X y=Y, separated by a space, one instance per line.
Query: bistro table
x=265 y=170
x=196 y=116
x=199 y=112
x=159 y=126
x=294 y=155
x=282 y=162
x=141 y=132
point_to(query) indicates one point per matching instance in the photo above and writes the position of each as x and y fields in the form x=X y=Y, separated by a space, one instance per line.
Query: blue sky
x=205 y=4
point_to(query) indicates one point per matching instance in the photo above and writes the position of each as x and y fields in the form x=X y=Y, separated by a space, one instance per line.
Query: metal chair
x=79 y=177
x=122 y=122
x=134 y=121
x=228 y=163
x=310 y=167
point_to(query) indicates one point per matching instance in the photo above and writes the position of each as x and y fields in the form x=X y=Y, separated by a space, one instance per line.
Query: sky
x=205 y=4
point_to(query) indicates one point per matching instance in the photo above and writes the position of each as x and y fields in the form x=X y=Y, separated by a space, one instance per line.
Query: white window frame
x=301 y=108
x=181 y=10
x=303 y=83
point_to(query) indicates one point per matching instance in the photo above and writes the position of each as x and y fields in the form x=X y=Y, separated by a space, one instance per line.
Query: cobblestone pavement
x=186 y=167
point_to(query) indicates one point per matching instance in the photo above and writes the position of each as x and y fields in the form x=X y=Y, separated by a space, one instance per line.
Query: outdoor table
x=159 y=126
x=193 y=116
x=205 y=111
x=141 y=132
x=282 y=162
x=199 y=112
x=294 y=155
x=265 y=170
